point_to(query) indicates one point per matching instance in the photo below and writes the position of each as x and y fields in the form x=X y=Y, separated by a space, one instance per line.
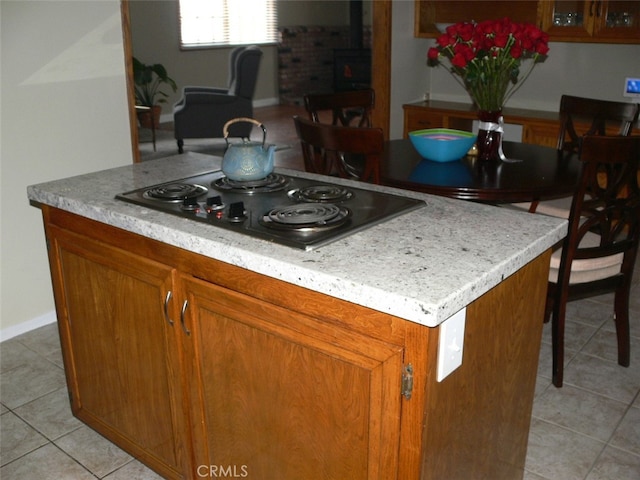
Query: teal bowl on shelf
x=442 y=144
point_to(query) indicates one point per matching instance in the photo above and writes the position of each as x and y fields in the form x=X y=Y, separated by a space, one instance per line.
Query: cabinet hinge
x=407 y=381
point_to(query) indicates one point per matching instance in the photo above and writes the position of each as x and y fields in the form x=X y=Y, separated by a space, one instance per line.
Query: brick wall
x=305 y=59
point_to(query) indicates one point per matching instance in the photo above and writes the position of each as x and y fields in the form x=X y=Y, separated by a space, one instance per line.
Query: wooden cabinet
x=430 y=16
x=203 y=369
x=120 y=355
x=596 y=21
x=282 y=395
x=538 y=127
x=592 y=21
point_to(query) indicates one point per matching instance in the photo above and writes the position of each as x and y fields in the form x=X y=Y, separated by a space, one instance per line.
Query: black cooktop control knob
x=190 y=205
x=237 y=213
x=214 y=204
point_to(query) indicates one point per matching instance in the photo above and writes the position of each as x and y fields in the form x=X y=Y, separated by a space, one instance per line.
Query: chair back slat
x=347 y=152
x=604 y=117
x=607 y=201
x=351 y=108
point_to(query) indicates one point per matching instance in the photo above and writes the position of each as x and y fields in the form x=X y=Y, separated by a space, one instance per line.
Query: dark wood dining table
x=531 y=173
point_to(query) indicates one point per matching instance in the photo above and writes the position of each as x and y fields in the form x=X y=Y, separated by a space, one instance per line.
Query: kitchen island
x=201 y=351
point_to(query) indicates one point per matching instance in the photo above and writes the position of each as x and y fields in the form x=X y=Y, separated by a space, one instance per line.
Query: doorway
x=381 y=65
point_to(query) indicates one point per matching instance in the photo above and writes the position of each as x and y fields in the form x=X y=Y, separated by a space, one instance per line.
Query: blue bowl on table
x=442 y=144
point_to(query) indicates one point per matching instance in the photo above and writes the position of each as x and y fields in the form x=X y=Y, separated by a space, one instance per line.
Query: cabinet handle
x=182 y=312
x=166 y=308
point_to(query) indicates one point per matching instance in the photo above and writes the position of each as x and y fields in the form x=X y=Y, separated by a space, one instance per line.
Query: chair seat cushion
x=587 y=270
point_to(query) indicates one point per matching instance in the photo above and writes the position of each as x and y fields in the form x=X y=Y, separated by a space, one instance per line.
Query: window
x=227 y=22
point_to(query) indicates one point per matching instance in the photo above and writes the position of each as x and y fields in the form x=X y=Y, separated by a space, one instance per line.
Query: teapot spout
x=271 y=151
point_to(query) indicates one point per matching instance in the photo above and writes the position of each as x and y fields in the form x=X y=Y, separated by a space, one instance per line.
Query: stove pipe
x=356 y=30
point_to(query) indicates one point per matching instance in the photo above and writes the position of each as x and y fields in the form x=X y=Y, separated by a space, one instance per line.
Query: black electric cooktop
x=293 y=211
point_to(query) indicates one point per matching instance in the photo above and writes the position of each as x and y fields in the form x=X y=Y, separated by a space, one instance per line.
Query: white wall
x=408 y=60
x=584 y=69
x=63 y=113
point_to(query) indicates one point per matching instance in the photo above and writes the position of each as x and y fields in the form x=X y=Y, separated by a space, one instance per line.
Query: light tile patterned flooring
x=589 y=429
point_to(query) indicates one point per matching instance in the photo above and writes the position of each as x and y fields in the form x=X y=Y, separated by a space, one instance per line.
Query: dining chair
x=350 y=108
x=347 y=152
x=581 y=116
x=599 y=252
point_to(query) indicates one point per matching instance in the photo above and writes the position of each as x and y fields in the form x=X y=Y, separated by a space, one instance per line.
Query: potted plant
x=148 y=80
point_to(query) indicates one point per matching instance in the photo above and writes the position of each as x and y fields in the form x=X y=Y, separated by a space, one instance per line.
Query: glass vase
x=490 y=131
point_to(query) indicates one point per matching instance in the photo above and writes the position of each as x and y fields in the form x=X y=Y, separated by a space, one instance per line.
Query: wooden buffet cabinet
x=538 y=127
x=194 y=366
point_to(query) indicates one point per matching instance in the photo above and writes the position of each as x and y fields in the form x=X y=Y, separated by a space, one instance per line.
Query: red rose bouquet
x=487 y=57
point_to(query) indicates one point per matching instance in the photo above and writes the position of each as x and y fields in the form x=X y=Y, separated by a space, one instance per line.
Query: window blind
x=227 y=22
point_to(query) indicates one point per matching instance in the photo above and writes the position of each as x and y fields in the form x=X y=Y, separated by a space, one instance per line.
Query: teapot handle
x=225 y=129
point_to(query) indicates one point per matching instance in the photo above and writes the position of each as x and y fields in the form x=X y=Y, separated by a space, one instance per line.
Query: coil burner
x=306 y=217
x=321 y=194
x=175 y=192
x=295 y=211
x=272 y=183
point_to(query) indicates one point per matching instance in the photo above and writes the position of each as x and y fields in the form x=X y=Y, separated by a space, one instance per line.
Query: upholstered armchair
x=203 y=111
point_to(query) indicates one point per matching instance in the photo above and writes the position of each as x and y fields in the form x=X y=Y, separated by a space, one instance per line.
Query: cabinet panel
x=428 y=14
x=540 y=134
x=420 y=120
x=121 y=361
x=279 y=395
x=619 y=20
x=569 y=19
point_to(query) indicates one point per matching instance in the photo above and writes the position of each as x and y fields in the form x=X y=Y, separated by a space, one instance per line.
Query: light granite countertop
x=423 y=266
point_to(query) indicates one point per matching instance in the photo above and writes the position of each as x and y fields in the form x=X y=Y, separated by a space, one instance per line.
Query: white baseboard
x=24 y=327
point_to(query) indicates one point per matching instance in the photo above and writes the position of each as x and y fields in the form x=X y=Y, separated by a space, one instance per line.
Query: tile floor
x=589 y=429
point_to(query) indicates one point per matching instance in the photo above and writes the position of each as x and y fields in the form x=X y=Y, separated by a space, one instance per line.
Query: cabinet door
x=420 y=119
x=431 y=16
x=541 y=134
x=569 y=20
x=280 y=395
x=592 y=20
x=618 y=21
x=120 y=353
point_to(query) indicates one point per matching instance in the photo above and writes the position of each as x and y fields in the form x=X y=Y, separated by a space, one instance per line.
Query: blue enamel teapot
x=247 y=161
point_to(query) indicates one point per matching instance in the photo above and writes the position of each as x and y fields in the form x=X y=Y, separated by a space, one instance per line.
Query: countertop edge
x=303 y=272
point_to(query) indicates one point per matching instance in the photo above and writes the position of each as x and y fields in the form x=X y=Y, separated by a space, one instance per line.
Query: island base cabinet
x=477 y=419
x=120 y=355
x=202 y=369
x=280 y=395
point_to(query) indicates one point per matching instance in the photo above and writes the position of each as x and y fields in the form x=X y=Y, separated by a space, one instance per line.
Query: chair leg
x=180 y=145
x=557 y=340
x=548 y=308
x=621 y=308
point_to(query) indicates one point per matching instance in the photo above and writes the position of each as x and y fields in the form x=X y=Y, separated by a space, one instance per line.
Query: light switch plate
x=451 y=343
